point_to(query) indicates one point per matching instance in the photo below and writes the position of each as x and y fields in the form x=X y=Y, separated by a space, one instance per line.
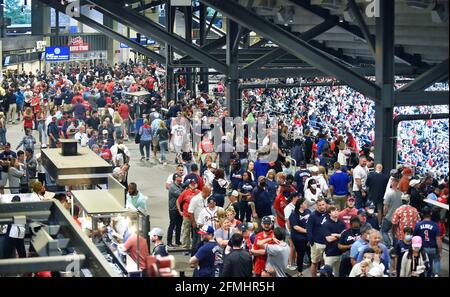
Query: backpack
x=326 y=147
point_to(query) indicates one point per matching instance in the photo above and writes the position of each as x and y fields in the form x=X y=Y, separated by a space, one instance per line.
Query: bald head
x=206 y=191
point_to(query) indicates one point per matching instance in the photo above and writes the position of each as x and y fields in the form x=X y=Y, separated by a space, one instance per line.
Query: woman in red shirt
x=28 y=118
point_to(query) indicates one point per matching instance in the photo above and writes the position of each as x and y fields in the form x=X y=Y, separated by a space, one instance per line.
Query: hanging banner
x=77 y=45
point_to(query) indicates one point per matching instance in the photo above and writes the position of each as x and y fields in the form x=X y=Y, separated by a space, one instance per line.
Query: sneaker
x=170 y=245
x=142 y=158
x=147 y=159
x=299 y=274
x=178 y=244
x=165 y=163
x=291 y=267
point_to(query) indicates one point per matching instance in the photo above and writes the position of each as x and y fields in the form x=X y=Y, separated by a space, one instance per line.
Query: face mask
x=408 y=237
x=416 y=249
x=314 y=186
x=370 y=211
x=263 y=184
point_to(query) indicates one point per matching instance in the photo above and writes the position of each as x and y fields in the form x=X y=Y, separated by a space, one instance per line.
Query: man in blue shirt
x=261 y=167
x=203 y=260
x=431 y=240
x=375 y=241
x=334 y=228
x=316 y=233
x=20 y=100
x=301 y=176
x=338 y=183
x=360 y=245
x=261 y=199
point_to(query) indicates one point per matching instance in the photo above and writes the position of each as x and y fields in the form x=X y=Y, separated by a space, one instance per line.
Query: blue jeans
x=146 y=144
x=386 y=227
x=435 y=261
x=163 y=146
x=2 y=136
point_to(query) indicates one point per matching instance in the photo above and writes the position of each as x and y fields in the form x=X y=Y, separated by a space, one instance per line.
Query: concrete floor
x=150 y=178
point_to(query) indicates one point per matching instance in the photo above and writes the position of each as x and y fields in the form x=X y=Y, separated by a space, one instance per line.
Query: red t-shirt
x=185 y=198
x=131 y=247
x=124 y=111
x=260 y=261
x=279 y=204
x=346 y=214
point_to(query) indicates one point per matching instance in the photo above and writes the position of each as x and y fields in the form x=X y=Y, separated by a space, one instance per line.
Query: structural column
x=113 y=58
x=233 y=103
x=170 y=88
x=40 y=18
x=385 y=142
x=203 y=37
x=188 y=36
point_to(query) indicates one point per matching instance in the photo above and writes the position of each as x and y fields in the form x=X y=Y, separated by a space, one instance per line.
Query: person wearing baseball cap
x=372 y=218
x=175 y=219
x=183 y=203
x=301 y=175
x=208 y=215
x=362 y=214
x=392 y=201
x=404 y=216
x=156 y=236
x=233 y=198
x=348 y=212
x=266 y=234
x=403 y=185
x=204 y=258
x=415 y=262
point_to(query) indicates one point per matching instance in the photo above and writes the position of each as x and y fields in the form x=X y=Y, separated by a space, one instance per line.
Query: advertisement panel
x=57 y=53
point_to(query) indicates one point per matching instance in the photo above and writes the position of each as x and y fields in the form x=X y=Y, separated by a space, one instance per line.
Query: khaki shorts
x=317 y=251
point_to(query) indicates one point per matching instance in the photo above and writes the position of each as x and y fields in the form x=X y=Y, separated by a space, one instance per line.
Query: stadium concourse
x=151 y=178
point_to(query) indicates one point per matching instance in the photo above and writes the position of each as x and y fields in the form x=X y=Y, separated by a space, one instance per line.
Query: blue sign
x=144 y=41
x=57 y=53
x=6 y=60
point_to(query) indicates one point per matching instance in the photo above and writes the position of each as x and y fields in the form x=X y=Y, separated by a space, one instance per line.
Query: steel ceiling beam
x=418 y=117
x=308 y=35
x=416 y=98
x=245 y=86
x=355 y=31
x=294 y=45
x=108 y=32
x=435 y=74
x=359 y=19
x=149 y=28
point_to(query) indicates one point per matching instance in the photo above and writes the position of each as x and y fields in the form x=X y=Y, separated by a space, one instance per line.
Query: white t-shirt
x=178 y=132
x=288 y=210
x=312 y=198
x=196 y=205
x=208 y=217
x=360 y=172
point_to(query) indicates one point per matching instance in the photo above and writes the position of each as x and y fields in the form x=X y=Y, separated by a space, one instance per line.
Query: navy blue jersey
x=301 y=220
x=349 y=236
x=331 y=227
x=236 y=178
x=400 y=249
x=429 y=231
x=246 y=187
x=300 y=177
x=316 y=227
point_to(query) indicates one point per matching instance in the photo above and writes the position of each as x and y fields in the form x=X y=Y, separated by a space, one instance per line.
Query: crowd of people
x=322 y=203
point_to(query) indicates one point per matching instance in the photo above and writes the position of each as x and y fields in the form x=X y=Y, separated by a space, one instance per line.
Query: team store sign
x=77 y=45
